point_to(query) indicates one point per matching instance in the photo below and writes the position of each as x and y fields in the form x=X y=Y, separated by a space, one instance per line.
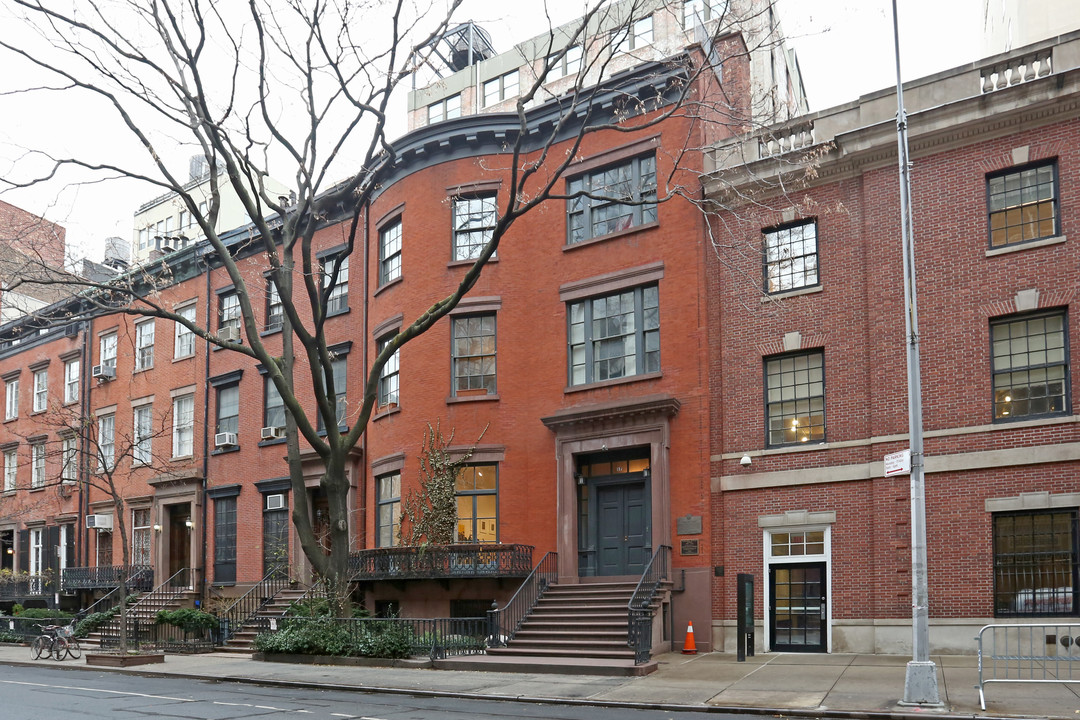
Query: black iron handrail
x=162 y=590
x=504 y=622
x=441 y=561
x=255 y=599
x=21 y=587
x=139 y=577
x=640 y=608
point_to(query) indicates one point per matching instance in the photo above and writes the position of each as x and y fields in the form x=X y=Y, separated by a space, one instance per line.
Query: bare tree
x=292 y=84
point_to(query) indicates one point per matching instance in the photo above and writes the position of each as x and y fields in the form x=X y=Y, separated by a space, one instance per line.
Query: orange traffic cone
x=689 y=647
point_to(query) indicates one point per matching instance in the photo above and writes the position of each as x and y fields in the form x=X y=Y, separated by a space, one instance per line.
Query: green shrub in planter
x=93 y=621
x=187 y=619
x=45 y=614
x=6 y=636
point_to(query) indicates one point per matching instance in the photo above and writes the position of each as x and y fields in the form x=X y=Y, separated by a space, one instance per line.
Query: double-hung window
x=229 y=314
x=501 y=88
x=275 y=312
x=615 y=198
x=11 y=390
x=37 y=465
x=1035 y=563
x=390 y=252
x=183 y=426
x=1023 y=204
x=568 y=63
x=144 y=345
x=1030 y=366
x=106 y=442
x=791 y=257
x=274 y=407
x=446 y=109
x=41 y=390
x=143 y=430
x=228 y=409
x=614 y=336
x=636 y=36
x=69 y=454
x=388 y=378
x=341 y=405
x=11 y=469
x=476 y=491
x=184 y=339
x=140 y=536
x=795 y=398
x=107 y=350
x=71 y=382
x=388 y=513
x=474 y=354
x=474 y=221
x=337 y=298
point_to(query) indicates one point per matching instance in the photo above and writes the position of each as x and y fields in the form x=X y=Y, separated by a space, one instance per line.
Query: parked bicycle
x=56 y=641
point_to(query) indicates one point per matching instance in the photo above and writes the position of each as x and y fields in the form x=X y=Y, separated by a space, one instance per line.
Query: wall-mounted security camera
x=745 y=460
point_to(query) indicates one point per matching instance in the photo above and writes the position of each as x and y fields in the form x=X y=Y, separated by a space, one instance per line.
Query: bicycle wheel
x=59 y=648
x=37 y=646
x=73 y=649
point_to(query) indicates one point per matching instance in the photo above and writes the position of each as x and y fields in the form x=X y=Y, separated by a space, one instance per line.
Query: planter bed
x=114 y=660
x=417 y=662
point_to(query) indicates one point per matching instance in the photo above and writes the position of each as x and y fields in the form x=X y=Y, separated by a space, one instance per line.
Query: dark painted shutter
x=225 y=540
x=24 y=551
x=51 y=550
x=69 y=549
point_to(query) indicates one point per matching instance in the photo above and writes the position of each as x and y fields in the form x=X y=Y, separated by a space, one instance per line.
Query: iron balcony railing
x=254 y=600
x=505 y=621
x=441 y=562
x=154 y=636
x=21 y=587
x=640 y=608
x=139 y=577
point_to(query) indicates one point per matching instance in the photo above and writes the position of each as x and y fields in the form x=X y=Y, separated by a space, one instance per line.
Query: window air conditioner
x=99 y=522
x=230 y=334
x=273 y=433
x=103 y=372
x=225 y=439
x=275 y=502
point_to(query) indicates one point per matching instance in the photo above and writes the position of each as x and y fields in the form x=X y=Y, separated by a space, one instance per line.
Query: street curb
x=578 y=702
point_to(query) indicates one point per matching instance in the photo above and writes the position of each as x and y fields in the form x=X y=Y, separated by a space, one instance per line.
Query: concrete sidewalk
x=791 y=684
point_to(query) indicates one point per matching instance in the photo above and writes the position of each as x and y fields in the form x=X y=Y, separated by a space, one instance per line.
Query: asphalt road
x=51 y=693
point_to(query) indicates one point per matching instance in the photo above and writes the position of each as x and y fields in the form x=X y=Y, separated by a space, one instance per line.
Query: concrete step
x=560 y=652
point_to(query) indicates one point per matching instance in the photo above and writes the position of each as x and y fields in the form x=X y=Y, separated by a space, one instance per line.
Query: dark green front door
x=622 y=529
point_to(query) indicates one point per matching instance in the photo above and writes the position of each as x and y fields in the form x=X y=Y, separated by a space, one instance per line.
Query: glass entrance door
x=797 y=609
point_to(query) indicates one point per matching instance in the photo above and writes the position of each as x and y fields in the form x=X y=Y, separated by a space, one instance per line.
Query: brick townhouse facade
x=808 y=360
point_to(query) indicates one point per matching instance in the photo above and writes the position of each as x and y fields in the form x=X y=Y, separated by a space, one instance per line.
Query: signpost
x=898 y=463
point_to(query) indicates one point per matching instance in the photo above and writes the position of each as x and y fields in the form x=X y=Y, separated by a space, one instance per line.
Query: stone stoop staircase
x=243 y=640
x=587 y=620
x=145 y=610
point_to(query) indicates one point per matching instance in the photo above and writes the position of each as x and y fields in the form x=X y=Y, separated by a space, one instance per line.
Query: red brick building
x=808 y=360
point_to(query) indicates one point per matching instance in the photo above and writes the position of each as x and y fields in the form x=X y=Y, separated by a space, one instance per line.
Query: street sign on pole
x=898 y=463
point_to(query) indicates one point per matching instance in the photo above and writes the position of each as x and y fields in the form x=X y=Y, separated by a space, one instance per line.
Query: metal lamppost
x=920 y=684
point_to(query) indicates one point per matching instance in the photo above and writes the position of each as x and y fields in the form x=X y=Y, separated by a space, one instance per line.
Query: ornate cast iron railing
x=254 y=600
x=505 y=621
x=441 y=562
x=21 y=587
x=139 y=577
x=640 y=608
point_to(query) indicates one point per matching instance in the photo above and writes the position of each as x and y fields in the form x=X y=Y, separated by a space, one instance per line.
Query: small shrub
x=17 y=609
x=6 y=636
x=325 y=636
x=44 y=614
x=92 y=622
x=187 y=619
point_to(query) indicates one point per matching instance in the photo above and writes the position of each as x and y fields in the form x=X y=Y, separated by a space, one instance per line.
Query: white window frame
x=11 y=469
x=37 y=542
x=72 y=368
x=107 y=350
x=391 y=240
x=37 y=465
x=106 y=442
x=142 y=421
x=183 y=434
x=11 y=389
x=144 y=345
x=825 y=557
x=141 y=531
x=184 y=338
x=69 y=449
x=338 y=299
x=41 y=390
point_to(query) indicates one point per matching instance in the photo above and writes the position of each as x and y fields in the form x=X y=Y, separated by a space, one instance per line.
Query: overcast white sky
x=845 y=49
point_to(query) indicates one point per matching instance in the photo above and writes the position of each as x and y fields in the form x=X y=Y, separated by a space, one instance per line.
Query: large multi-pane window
x=106 y=442
x=183 y=425
x=474 y=354
x=11 y=390
x=474 y=221
x=446 y=109
x=184 y=340
x=1022 y=204
x=143 y=427
x=568 y=64
x=337 y=300
x=615 y=336
x=388 y=378
x=791 y=257
x=41 y=390
x=37 y=465
x=477 y=504
x=702 y=11
x=1030 y=366
x=140 y=536
x=71 y=382
x=501 y=88
x=623 y=197
x=636 y=36
x=388 y=513
x=795 y=398
x=228 y=409
x=390 y=252
x=11 y=469
x=144 y=345
x=69 y=453
x=107 y=350
x=1035 y=563
x=274 y=406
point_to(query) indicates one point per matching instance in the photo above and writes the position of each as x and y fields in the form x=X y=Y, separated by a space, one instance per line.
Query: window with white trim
x=275 y=311
x=37 y=465
x=11 y=389
x=390 y=252
x=107 y=350
x=144 y=345
x=474 y=354
x=337 y=301
x=476 y=492
x=474 y=221
x=69 y=453
x=71 y=382
x=140 y=536
x=106 y=442
x=183 y=426
x=11 y=469
x=41 y=390
x=229 y=311
x=143 y=427
x=791 y=257
x=388 y=509
x=388 y=378
x=184 y=340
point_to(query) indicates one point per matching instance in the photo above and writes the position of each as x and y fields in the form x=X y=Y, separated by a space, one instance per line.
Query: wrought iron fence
x=441 y=561
x=21 y=587
x=506 y=620
x=139 y=577
x=640 y=608
x=158 y=637
x=27 y=628
x=254 y=600
x=437 y=638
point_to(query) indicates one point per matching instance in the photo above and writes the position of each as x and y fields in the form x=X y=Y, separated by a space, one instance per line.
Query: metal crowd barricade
x=1028 y=653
